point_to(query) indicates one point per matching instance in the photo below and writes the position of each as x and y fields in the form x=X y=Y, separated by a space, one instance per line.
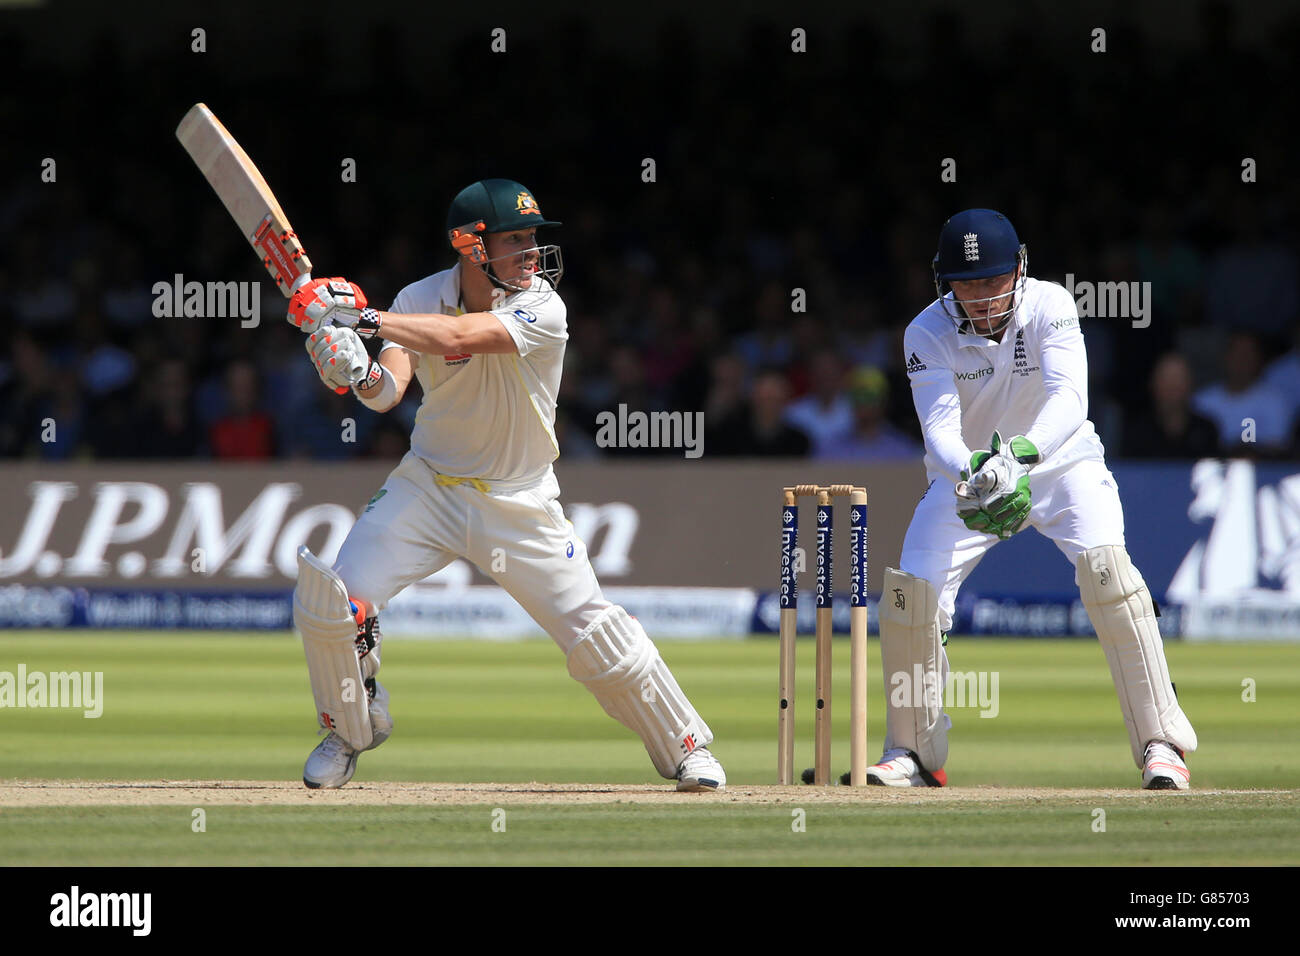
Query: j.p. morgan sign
x=147 y=532
x=237 y=528
x=233 y=528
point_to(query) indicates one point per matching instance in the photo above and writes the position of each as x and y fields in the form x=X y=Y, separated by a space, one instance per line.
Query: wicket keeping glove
x=336 y=301
x=970 y=490
x=1008 y=501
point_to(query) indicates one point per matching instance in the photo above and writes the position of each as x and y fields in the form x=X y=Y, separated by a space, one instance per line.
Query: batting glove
x=336 y=301
x=340 y=357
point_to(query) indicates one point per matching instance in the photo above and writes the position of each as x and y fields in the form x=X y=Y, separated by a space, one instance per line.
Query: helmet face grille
x=955 y=310
x=549 y=266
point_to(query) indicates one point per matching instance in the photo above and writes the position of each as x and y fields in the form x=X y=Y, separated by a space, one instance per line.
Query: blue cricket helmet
x=978 y=244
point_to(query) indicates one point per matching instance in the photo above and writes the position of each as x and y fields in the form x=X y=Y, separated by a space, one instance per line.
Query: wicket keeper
x=999 y=378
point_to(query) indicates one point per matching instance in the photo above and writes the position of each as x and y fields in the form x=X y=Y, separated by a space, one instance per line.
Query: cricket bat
x=246 y=196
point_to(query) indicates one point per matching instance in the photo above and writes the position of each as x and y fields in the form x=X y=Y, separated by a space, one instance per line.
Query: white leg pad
x=1120 y=608
x=910 y=640
x=323 y=614
x=620 y=665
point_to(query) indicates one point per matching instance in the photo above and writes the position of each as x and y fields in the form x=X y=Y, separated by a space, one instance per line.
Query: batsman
x=486 y=340
x=999 y=378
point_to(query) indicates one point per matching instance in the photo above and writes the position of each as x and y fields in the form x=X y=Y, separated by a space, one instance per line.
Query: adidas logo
x=914 y=364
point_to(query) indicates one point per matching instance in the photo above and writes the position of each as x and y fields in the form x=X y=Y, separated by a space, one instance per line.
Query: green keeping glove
x=969 y=507
x=1008 y=501
x=976 y=518
x=977 y=461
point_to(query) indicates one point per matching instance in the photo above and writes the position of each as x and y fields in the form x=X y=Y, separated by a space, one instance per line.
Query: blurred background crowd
x=774 y=172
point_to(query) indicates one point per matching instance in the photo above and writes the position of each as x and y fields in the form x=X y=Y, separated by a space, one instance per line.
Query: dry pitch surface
x=62 y=793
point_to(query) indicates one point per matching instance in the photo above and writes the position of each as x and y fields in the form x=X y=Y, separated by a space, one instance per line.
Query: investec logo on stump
x=75 y=908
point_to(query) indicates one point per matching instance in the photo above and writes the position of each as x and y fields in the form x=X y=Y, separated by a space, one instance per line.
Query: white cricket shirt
x=1032 y=383
x=489 y=416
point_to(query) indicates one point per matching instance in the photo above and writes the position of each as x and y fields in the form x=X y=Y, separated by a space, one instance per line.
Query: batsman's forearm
x=430 y=333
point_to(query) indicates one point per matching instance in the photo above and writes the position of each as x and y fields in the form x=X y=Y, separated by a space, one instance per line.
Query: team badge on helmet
x=527 y=205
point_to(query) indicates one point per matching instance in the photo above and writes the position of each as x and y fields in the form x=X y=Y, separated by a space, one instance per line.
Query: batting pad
x=620 y=665
x=323 y=614
x=912 y=658
x=1120 y=608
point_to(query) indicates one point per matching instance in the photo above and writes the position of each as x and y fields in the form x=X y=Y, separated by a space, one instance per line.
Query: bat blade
x=246 y=196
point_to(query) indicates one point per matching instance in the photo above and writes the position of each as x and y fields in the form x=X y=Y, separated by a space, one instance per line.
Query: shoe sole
x=922 y=779
x=875 y=781
x=701 y=786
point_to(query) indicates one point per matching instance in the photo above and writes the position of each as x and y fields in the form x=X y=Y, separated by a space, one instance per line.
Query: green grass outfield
x=180 y=707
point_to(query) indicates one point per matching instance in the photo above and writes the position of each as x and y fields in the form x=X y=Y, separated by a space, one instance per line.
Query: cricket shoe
x=1164 y=768
x=701 y=771
x=901 y=768
x=333 y=762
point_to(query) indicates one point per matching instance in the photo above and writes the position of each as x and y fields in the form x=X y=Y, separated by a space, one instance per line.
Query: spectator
x=1252 y=417
x=61 y=419
x=726 y=399
x=759 y=429
x=825 y=414
x=244 y=431
x=168 y=428
x=769 y=343
x=1169 y=428
x=873 y=437
x=1252 y=283
x=1283 y=374
x=24 y=395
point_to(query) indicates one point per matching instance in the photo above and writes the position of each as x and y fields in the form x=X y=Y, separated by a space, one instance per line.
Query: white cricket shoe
x=333 y=762
x=701 y=771
x=1164 y=768
x=901 y=768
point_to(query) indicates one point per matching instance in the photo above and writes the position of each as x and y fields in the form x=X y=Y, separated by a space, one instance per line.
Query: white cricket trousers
x=417 y=526
x=1076 y=505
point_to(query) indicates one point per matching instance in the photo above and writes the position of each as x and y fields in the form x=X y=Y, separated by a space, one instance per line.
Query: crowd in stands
x=765 y=277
